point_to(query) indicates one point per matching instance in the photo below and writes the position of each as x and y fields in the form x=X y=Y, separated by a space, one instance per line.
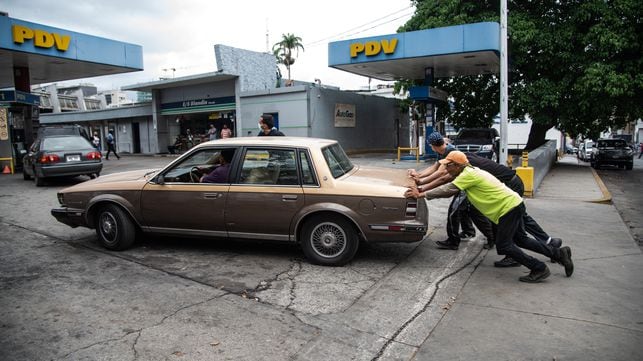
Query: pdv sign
x=41 y=38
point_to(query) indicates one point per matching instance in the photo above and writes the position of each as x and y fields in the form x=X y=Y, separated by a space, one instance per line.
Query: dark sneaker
x=506 y=262
x=466 y=236
x=556 y=242
x=535 y=276
x=566 y=260
x=446 y=245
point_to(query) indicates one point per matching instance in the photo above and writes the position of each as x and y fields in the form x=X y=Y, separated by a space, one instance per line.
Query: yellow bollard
x=526 y=174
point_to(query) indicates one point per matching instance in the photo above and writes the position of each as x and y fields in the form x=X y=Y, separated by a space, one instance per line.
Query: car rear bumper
x=72 y=217
x=67 y=170
x=411 y=231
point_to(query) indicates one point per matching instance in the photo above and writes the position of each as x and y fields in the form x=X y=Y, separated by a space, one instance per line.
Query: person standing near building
x=212 y=132
x=111 y=145
x=503 y=207
x=225 y=132
x=267 y=126
x=96 y=141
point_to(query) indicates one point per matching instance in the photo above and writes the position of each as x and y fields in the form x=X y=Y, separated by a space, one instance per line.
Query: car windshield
x=476 y=134
x=617 y=143
x=63 y=143
x=337 y=160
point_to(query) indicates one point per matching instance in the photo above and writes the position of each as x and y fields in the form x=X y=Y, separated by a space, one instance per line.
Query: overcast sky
x=181 y=34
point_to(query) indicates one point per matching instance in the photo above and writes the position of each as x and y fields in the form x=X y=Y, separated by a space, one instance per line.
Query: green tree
x=283 y=50
x=574 y=64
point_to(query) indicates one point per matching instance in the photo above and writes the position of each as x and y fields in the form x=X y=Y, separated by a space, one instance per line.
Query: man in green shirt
x=503 y=207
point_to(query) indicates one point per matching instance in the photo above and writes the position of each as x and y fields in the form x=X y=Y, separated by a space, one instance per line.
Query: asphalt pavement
x=64 y=298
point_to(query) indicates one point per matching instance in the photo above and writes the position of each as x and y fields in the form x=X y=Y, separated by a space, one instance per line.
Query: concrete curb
x=607 y=196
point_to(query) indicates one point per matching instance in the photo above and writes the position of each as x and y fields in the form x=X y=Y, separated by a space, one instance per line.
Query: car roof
x=271 y=141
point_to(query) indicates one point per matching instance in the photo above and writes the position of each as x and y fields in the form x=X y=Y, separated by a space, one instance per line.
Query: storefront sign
x=371 y=48
x=17 y=96
x=198 y=105
x=40 y=38
x=344 y=115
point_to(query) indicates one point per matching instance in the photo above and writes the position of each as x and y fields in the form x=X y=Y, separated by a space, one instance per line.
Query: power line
x=361 y=26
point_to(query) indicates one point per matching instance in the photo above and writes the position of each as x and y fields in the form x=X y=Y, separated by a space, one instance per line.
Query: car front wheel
x=329 y=240
x=114 y=227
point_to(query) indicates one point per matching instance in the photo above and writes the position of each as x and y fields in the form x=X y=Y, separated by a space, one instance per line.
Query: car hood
x=123 y=180
x=376 y=181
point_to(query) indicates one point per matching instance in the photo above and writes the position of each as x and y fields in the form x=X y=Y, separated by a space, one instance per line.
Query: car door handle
x=212 y=195
x=289 y=197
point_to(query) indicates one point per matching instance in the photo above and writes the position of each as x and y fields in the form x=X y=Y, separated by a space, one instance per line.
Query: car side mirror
x=160 y=179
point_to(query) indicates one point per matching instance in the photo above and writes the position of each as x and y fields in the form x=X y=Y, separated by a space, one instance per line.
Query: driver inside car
x=220 y=173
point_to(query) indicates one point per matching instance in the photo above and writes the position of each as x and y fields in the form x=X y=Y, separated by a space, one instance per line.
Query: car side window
x=269 y=167
x=192 y=167
x=308 y=177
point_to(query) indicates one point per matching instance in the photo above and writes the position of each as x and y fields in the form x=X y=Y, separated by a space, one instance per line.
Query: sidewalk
x=596 y=314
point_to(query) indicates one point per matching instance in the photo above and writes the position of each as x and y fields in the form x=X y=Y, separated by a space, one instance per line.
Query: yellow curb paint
x=607 y=196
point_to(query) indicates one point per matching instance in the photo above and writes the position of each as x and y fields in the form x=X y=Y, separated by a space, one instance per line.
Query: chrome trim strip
x=272 y=237
x=185 y=232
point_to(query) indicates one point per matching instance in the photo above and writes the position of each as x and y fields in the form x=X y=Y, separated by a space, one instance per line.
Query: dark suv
x=482 y=141
x=613 y=152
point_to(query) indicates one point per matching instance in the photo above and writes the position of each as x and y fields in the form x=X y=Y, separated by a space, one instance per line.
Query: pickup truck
x=482 y=141
x=612 y=152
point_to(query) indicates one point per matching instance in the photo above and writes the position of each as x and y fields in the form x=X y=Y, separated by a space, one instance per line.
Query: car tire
x=629 y=166
x=329 y=240
x=39 y=180
x=114 y=227
x=594 y=165
x=25 y=176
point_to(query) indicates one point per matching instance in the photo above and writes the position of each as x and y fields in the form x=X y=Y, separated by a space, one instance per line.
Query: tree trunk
x=537 y=135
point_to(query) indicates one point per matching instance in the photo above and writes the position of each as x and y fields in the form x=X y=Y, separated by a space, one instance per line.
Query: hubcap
x=108 y=228
x=328 y=240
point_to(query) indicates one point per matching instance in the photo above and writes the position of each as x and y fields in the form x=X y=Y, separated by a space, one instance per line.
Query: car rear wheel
x=629 y=166
x=115 y=229
x=329 y=240
x=39 y=180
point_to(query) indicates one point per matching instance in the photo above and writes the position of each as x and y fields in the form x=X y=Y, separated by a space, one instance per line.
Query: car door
x=262 y=202
x=175 y=203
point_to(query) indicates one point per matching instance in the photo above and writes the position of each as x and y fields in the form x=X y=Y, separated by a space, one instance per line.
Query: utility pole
x=504 y=86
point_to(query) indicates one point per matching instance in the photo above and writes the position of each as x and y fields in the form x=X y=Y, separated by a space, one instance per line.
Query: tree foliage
x=283 y=50
x=574 y=64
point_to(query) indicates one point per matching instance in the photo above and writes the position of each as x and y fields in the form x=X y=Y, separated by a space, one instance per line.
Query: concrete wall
x=290 y=103
x=542 y=159
x=256 y=70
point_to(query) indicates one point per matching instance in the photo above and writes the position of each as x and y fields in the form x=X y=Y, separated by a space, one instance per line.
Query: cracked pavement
x=63 y=297
x=66 y=298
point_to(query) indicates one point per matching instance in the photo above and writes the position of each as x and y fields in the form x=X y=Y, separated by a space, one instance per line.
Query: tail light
x=49 y=158
x=93 y=155
x=411 y=208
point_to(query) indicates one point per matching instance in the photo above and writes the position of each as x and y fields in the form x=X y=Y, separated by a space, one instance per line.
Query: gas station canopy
x=52 y=54
x=460 y=50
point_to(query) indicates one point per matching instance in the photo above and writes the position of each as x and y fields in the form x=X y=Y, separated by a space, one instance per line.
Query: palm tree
x=283 y=50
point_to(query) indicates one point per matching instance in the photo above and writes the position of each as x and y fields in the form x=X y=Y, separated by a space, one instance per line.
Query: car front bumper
x=72 y=217
x=68 y=170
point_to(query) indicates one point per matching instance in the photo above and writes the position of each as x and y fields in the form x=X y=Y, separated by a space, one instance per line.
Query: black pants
x=111 y=148
x=511 y=237
x=462 y=213
x=531 y=226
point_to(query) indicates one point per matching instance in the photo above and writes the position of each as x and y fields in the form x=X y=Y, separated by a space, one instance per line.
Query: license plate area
x=73 y=158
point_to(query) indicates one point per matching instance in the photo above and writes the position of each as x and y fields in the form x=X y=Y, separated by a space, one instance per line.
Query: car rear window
x=616 y=143
x=64 y=143
x=337 y=160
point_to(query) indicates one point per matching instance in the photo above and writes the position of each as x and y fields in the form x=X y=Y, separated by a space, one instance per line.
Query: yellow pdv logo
x=371 y=48
x=41 y=38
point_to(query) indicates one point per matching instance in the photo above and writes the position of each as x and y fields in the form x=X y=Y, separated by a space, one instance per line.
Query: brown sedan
x=287 y=189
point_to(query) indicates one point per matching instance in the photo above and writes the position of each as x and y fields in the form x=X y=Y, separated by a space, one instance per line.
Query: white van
x=585 y=150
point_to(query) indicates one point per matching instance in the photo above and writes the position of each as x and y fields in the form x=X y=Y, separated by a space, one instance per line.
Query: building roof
x=182 y=81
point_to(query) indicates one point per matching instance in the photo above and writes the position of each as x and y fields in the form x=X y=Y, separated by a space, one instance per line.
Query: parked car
x=482 y=141
x=612 y=152
x=288 y=189
x=60 y=156
x=585 y=150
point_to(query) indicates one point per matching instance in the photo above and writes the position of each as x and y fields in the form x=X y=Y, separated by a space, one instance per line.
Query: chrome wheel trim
x=108 y=227
x=328 y=240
